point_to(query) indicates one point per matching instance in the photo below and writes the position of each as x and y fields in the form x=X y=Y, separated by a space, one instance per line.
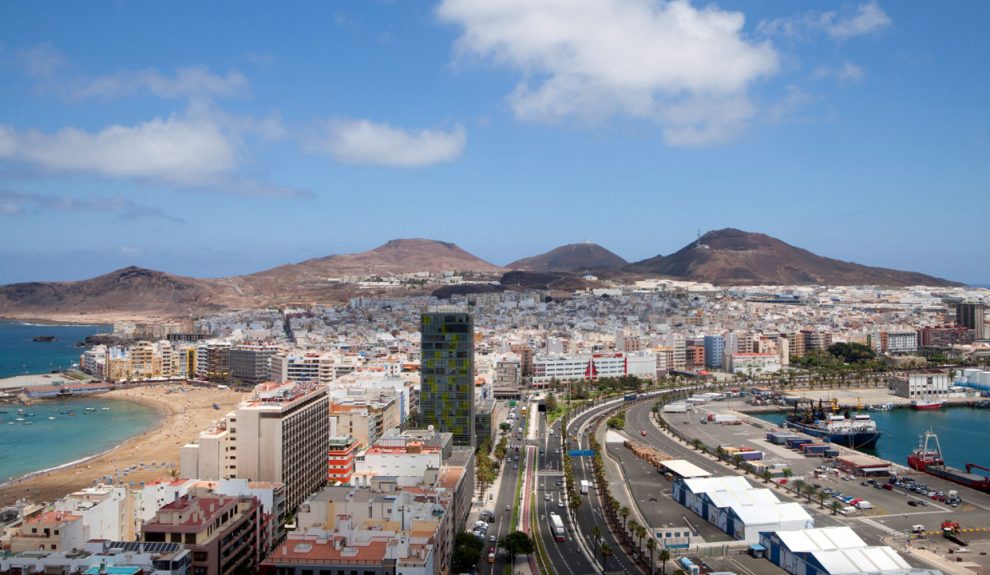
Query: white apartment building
x=579 y=366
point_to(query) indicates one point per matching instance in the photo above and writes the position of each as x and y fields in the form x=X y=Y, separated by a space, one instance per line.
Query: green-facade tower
x=446 y=398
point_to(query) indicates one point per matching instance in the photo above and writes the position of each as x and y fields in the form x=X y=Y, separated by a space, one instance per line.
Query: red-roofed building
x=223 y=534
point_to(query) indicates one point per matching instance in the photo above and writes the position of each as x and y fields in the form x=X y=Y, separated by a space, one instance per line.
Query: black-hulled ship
x=855 y=430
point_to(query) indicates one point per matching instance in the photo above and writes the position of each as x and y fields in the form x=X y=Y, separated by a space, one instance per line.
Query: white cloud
x=174 y=150
x=868 y=19
x=371 y=143
x=191 y=82
x=686 y=69
x=846 y=73
x=41 y=61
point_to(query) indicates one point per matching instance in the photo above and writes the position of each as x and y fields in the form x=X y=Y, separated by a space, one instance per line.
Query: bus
x=557 y=526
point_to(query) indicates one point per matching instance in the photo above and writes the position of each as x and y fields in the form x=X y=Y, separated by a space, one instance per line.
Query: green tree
x=551 y=402
x=516 y=543
x=664 y=557
x=651 y=546
x=467 y=552
x=835 y=506
x=624 y=513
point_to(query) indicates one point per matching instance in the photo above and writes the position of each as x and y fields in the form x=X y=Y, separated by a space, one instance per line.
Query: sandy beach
x=185 y=412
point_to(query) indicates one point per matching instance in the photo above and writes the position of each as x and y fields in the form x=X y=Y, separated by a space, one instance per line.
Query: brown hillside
x=735 y=257
x=568 y=258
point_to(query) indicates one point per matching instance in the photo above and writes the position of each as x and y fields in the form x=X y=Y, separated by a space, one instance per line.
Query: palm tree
x=766 y=476
x=810 y=491
x=719 y=452
x=835 y=505
x=737 y=459
x=696 y=443
x=651 y=545
x=606 y=552
x=822 y=496
x=596 y=533
x=799 y=486
x=624 y=512
x=631 y=528
x=664 y=557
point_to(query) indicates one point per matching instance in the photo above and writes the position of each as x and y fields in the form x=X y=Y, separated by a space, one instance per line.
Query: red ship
x=929 y=460
x=927 y=404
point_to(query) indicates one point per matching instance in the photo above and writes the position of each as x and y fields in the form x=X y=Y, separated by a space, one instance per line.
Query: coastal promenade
x=185 y=411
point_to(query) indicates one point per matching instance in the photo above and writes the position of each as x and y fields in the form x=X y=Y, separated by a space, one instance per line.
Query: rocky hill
x=125 y=292
x=735 y=257
x=570 y=258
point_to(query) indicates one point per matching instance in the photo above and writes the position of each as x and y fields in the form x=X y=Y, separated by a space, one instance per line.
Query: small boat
x=28 y=423
x=50 y=417
x=927 y=403
x=105 y=408
x=10 y=423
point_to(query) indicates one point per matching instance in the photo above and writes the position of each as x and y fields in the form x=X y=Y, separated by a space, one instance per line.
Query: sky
x=221 y=138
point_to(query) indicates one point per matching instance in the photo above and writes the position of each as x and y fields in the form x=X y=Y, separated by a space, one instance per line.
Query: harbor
x=907 y=511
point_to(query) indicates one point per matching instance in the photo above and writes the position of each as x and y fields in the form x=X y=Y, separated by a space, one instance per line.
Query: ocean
x=20 y=355
x=962 y=431
x=47 y=443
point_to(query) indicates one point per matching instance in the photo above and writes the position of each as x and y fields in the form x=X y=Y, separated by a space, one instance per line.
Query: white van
x=847 y=510
x=864 y=505
x=917 y=529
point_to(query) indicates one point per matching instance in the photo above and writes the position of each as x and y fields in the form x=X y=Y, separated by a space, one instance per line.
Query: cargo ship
x=929 y=460
x=927 y=403
x=853 y=430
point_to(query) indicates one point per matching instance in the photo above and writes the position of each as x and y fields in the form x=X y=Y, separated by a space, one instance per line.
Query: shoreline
x=144 y=457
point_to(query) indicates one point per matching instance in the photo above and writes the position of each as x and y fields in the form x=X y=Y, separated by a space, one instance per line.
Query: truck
x=585 y=486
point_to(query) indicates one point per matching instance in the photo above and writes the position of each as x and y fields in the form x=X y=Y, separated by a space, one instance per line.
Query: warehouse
x=683 y=468
x=833 y=551
x=737 y=508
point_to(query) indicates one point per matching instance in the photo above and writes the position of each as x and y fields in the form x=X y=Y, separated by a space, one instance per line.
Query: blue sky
x=225 y=138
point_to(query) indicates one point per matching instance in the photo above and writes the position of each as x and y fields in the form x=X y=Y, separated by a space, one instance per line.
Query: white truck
x=585 y=486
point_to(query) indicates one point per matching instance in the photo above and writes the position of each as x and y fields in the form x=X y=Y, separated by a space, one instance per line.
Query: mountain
x=393 y=257
x=735 y=257
x=138 y=292
x=121 y=293
x=569 y=258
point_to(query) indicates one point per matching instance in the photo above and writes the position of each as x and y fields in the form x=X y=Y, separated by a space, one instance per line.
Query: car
x=508 y=507
x=491 y=557
x=879 y=485
x=642 y=432
x=888 y=486
x=560 y=503
x=912 y=503
x=922 y=502
x=546 y=497
x=491 y=539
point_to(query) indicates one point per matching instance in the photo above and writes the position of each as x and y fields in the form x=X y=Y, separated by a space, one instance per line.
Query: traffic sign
x=581 y=453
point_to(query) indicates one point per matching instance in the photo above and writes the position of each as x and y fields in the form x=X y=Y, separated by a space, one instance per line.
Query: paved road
x=501 y=503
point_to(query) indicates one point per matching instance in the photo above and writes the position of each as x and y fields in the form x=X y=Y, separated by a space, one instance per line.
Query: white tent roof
x=711 y=484
x=772 y=513
x=754 y=497
x=685 y=468
x=821 y=539
x=863 y=560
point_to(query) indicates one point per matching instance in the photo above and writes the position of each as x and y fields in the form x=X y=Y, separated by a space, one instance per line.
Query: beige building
x=281 y=434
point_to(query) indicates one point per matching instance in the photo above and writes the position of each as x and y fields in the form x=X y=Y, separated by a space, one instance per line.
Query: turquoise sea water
x=47 y=443
x=963 y=432
x=19 y=355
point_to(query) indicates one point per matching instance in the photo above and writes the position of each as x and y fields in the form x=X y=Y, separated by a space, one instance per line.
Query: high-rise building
x=447 y=373
x=714 y=351
x=250 y=364
x=971 y=315
x=280 y=434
